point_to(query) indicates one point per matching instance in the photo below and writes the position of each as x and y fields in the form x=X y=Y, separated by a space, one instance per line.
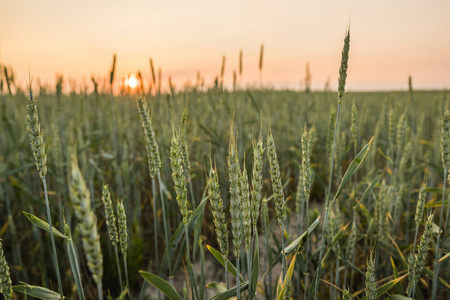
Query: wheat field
x=217 y=193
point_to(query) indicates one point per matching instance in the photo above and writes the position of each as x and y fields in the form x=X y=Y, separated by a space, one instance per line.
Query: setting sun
x=132 y=82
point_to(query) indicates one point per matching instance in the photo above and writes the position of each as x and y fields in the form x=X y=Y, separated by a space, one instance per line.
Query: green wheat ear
x=154 y=160
x=5 y=279
x=421 y=204
x=36 y=136
x=445 y=140
x=109 y=212
x=183 y=142
x=246 y=208
x=354 y=127
x=178 y=175
x=235 y=197
x=346 y=294
x=122 y=221
x=257 y=176
x=217 y=210
x=344 y=66
x=274 y=168
x=371 y=285
x=81 y=203
x=422 y=252
x=306 y=163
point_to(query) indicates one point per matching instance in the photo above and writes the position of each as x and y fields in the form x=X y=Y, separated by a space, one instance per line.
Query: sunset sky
x=390 y=40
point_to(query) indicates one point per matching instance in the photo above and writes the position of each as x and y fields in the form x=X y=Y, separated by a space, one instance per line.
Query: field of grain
x=305 y=195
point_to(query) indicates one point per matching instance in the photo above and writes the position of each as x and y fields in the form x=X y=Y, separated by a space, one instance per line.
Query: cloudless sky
x=390 y=40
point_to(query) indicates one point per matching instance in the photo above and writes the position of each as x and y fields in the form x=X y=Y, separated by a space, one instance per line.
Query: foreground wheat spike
x=178 y=176
x=275 y=175
x=287 y=292
x=445 y=153
x=246 y=209
x=185 y=152
x=307 y=171
x=341 y=90
x=419 y=260
x=346 y=294
x=371 y=285
x=350 y=247
x=278 y=194
x=110 y=217
x=81 y=203
x=354 y=127
x=5 y=279
x=344 y=66
x=219 y=216
x=183 y=142
x=256 y=193
x=154 y=160
x=246 y=218
x=421 y=204
x=306 y=180
x=36 y=137
x=112 y=227
x=235 y=204
x=401 y=132
x=37 y=145
x=123 y=236
x=154 y=164
x=179 y=179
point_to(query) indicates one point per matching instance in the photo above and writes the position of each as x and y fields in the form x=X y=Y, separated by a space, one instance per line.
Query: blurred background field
x=109 y=141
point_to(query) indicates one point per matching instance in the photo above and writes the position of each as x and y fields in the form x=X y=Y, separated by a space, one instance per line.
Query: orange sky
x=389 y=40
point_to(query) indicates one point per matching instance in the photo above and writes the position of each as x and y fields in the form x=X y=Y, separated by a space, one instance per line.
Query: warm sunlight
x=132 y=81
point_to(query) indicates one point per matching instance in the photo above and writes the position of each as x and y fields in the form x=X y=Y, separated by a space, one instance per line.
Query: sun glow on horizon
x=132 y=81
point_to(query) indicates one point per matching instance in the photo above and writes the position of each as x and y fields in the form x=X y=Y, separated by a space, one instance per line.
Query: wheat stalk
x=112 y=227
x=278 y=194
x=445 y=153
x=341 y=90
x=40 y=157
x=179 y=179
x=81 y=203
x=371 y=285
x=235 y=204
x=419 y=260
x=219 y=216
x=5 y=279
x=123 y=236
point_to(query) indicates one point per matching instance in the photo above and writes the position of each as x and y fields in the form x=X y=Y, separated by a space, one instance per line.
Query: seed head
x=110 y=218
x=306 y=163
x=371 y=286
x=391 y=127
x=235 y=197
x=401 y=131
x=81 y=203
x=257 y=175
x=5 y=279
x=274 y=168
x=246 y=209
x=122 y=221
x=422 y=252
x=36 y=137
x=217 y=210
x=421 y=204
x=354 y=126
x=154 y=160
x=344 y=66
x=178 y=176
x=183 y=143
x=445 y=140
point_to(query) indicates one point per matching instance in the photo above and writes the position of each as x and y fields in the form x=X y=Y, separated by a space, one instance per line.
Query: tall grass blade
x=36 y=292
x=161 y=285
